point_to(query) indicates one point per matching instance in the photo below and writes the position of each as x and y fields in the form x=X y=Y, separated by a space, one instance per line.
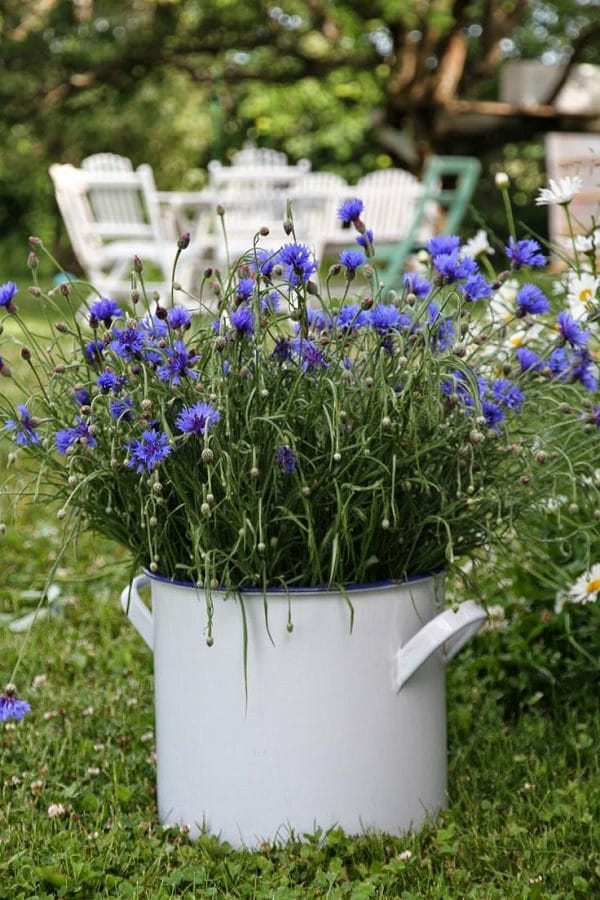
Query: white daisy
x=581 y=292
x=585 y=243
x=559 y=192
x=478 y=245
x=496 y=617
x=584 y=590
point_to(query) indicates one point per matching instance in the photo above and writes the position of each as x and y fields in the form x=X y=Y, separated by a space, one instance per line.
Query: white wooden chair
x=315 y=199
x=253 y=192
x=112 y=215
x=259 y=156
x=574 y=154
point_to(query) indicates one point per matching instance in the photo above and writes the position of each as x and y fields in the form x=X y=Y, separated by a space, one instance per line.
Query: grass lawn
x=524 y=782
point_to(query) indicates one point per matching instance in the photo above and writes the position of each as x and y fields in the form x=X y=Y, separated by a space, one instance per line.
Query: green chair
x=463 y=173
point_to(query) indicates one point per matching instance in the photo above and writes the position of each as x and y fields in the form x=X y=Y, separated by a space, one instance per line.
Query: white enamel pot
x=259 y=737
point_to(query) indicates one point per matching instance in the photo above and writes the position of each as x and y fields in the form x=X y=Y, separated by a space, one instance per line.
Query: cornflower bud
x=34 y=241
x=32 y=261
x=263 y=231
x=207 y=272
x=135 y=296
x=156 y=298
x=161 y=312
x=183 y=240
x=61 y=326
x=366 y=303
x=64 y=289
x=335 y=269
x=220 y=210
x=138 y=265
x=25 y=353
x=288 y=226
x=35 y=291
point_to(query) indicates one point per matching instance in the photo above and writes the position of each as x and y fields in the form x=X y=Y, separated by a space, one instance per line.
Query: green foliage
x=401 y=446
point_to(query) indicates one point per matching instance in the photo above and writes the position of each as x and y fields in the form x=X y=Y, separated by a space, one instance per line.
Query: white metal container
x=325 y=725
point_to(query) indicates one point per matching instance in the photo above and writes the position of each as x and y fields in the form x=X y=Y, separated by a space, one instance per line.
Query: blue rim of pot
x=317 y=589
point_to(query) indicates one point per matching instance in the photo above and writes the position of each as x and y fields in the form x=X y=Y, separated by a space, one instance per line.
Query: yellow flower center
x=592 y=586
x=585 y=295
x=516 y=340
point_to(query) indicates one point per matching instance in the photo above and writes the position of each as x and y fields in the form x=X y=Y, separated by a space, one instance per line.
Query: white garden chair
x=113 y=214
x=574 y=155
x=315 y=199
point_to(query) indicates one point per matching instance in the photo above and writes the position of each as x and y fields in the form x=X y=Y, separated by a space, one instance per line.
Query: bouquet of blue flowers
x=278 y=430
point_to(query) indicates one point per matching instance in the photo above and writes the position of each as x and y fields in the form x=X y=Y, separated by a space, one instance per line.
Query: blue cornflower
x=270 y=303
x=318 y=320
x=352 y=260
x=524 y=253
x=7 y=292
x=558 y=362
x=104 y=310
x=366 y=241
x=108 y=381
x=528 y=360
x=79 y=434
x=121 y=409
x=127 y=342
x=154 y=328
x=530 y=301
x=286 y=459
x=416 y=285
x=570 y=331
x=282 y=350
x=453 y=267
x=456 y=385
x=385 y=318
x=582 y=369
x=94 y=351
x=299 y=261
x=178 y=317
x=24 y=427
x=350 y=315
x=350 y=210
x=311 y=357
x=243 y=321
x=475 y=288
x=197 y=419
x=492 y=413
x=11 y=707
x=443 y=336
x=508 y=394
x=178 y=364
x=443 y=244
x=82 y=396
x=264 y=262
x=245 y=289
x=148 y=451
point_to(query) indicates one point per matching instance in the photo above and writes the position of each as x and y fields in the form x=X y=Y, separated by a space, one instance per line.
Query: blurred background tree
x=353 y=85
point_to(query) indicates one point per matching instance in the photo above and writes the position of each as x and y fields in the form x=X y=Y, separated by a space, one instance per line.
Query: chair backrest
x=390 y=197
x=574 y=154
x=253 y=180
x=100 y=233
x=439 y=207
x=315 y=199
x=259 y=156
x=113 y=204
x=71 y=191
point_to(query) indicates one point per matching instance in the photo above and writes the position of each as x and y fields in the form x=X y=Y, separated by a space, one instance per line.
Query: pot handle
x=136 y=610
x=448 y=632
